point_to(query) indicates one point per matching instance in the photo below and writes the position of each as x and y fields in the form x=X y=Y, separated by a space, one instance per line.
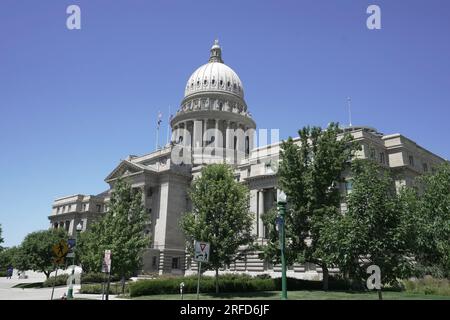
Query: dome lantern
x=216 y=53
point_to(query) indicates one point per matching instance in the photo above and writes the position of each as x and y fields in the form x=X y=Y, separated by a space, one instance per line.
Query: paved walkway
x=7 y=292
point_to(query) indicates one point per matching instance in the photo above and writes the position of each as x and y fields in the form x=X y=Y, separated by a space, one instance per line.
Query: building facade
x=213 y=124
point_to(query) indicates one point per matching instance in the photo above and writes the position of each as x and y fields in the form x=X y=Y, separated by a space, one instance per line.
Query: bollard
x=181 y=289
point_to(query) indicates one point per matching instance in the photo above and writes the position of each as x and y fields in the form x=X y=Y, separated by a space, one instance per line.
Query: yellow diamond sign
x=60 y=249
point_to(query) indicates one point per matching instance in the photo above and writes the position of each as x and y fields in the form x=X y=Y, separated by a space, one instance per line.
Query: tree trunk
x=123 y=284
x=217 y=280
x=325 y=277
x=380 y=296
x=47 y=274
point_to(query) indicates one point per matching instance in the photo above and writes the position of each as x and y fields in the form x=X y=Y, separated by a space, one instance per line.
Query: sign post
x=60 y=250
x=281 y=201
x=107 y=269
x=71 y=254
x=201 y=255
x=54 y=281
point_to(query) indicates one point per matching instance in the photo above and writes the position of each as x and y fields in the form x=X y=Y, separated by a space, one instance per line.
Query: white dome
x=214 y=77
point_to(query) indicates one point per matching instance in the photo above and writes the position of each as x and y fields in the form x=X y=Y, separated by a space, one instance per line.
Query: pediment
x=125 y=168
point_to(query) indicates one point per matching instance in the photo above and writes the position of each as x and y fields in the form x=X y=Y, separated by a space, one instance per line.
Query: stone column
x=260 y=229
x=197 y=140
x=217 y=135
x=185 y=142
x=240 y=147
x=204 y=137
x=174 y=134
x=229 y=136
x=254 y=209
x=229 y=143
x=197 y=134
x=251 y=139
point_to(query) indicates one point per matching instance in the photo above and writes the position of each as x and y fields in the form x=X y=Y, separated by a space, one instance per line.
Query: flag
x=159 y=118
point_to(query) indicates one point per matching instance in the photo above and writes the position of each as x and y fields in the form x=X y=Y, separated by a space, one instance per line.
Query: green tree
x=376 y=228
x=220 y=216
x=35 y=252
x=7 y=257
x=432 y=215
x=121 y=230
x=1 y=239
x=310 y=174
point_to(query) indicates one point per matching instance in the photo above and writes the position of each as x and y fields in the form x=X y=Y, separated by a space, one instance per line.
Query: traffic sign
x=71 y=243
x=60 y=249
x=58 y=261
x=201 y=251
x=106 y=264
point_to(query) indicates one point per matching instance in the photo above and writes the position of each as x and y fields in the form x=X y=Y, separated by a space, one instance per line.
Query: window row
x=69 y=208
x=213 y=83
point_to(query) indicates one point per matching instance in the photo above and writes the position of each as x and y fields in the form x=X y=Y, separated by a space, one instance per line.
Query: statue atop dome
x=216 y=52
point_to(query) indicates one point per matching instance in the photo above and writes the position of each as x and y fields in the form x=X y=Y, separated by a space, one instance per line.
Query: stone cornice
x=213 y=114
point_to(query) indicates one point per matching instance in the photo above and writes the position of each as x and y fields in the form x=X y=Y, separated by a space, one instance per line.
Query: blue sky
x=73 y=103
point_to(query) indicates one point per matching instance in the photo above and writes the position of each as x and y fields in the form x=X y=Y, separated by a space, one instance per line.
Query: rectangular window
x=425 y=167
x=310 y=266
x=382 y=159
x=176 y=263
x=411 y=161
x=84 y=206
x=99 y=208
x=154 y=261
x=372 y=153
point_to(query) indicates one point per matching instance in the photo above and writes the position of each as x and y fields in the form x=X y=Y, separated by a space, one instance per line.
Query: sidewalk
x=7 y=292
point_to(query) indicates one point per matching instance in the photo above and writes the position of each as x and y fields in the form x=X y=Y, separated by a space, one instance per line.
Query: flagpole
x=157 y=130
x=157 y=137
x=168 y=127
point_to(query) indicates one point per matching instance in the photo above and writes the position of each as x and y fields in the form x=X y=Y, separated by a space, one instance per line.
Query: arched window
x=247 y=145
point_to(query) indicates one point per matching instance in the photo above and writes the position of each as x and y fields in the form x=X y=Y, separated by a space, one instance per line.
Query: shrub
x=114 y=288
x=97 y=277
x=60 y=280
x=428 y=285
x=227 y=283
x=2 y=274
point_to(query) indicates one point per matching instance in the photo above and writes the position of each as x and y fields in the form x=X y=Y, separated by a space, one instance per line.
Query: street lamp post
x=281 y=201
x=70 y=291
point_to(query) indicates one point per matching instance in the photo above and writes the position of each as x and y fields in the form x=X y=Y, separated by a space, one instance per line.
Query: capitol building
x=214 y=124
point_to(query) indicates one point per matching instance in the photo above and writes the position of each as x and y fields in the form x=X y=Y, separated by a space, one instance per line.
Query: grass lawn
x=299 y=295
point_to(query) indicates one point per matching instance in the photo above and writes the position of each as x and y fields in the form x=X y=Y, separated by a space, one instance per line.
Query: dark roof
x=104 y=194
